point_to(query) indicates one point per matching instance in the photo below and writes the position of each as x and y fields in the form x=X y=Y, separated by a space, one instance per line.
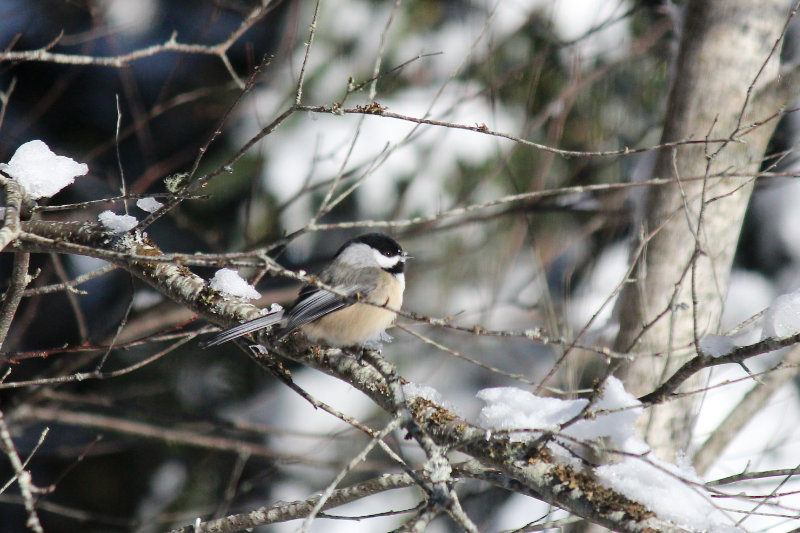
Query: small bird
x=369 y=268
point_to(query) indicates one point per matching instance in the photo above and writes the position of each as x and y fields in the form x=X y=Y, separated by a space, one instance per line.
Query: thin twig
x=358 y=458
x=70 y=285
x=23 y=477
x=219 y=50
x=125 y=426
x=312 y=30
x=482 y=128
x=285 y=511
x=72 y=297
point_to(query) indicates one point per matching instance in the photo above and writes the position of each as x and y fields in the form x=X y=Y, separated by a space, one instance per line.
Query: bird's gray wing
x=244 y=328
x=314 y=303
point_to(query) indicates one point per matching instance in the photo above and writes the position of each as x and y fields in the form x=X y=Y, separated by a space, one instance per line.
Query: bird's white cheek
x=385 y=262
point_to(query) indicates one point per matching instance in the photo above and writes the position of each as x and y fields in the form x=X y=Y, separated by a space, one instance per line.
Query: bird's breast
x=358 y=323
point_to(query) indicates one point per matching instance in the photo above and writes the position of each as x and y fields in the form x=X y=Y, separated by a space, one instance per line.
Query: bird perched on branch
x=367 y=274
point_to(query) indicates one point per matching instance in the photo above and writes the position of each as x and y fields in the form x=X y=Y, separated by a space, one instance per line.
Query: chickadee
x=369 y=267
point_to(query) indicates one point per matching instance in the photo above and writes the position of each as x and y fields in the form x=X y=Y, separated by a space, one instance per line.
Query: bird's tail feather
x=250 y=326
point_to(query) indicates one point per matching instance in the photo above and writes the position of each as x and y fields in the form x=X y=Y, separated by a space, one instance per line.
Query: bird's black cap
x=379 y=241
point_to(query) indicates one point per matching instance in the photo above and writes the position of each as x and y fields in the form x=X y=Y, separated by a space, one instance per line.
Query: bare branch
x=141 y=429
x=745 y=410
x=378 y=110
x=702 y=361
x=12 y=297
x=312 y=30
x=331 y=488
x=11 y=217
x=24 y=479
x=283 y=512
x=219 y=50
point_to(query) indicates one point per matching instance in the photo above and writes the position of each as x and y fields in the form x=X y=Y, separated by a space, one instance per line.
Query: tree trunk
x=681 y=278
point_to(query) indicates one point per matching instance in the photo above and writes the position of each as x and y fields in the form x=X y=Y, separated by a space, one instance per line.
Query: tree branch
x=702 y=361
x=283 y=512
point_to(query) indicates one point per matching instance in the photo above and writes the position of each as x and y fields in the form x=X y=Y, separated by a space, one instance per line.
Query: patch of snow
x=674 y=493
x=117 y=223
x=782 y=319
x=228 y=282
x=149 y=204
x=717 y=345
x=40 y=172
